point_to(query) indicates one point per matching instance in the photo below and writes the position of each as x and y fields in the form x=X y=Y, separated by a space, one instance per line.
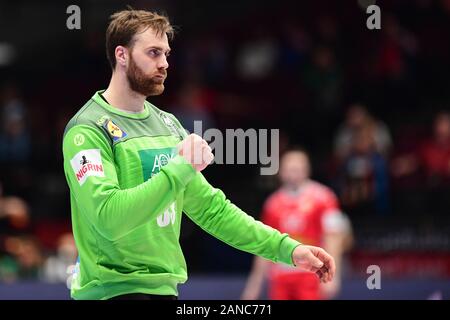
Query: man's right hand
x=196 y=151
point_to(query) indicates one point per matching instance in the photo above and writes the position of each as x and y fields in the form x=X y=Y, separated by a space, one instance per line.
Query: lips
x=159 y=78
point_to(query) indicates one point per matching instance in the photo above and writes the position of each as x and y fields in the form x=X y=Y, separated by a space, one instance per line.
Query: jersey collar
x=141 y=115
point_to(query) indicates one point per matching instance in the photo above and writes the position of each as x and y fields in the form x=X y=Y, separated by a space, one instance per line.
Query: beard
x=142 y=83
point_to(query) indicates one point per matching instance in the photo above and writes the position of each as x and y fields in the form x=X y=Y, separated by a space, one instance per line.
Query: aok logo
x=153 y=160
x=160 y=161
x=168 y=217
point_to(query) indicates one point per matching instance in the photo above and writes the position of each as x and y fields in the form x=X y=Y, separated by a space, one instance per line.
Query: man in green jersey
x=132 y=171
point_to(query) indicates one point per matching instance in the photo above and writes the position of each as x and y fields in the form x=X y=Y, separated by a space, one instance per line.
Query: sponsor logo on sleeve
x=114 y=131
x=87 y=163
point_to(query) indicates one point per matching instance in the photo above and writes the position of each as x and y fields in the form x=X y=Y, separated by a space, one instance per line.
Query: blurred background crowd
x=372 y=108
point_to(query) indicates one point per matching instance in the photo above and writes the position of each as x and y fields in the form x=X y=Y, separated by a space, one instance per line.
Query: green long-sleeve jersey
x=128 y=189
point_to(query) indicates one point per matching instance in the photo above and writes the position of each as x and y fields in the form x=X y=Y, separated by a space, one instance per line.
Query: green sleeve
x=114 y=211
x=209 y=208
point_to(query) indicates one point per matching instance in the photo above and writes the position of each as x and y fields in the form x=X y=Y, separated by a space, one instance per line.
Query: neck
x=295 y=188
x=119 y=94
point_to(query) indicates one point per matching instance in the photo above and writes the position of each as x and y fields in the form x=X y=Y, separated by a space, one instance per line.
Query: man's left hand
x=314 y=259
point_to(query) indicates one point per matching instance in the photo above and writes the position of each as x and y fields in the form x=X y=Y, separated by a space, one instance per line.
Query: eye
x=167 y=54
x=154 y=52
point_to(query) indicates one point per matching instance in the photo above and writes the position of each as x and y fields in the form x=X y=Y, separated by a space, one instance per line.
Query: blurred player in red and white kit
x=309 y=212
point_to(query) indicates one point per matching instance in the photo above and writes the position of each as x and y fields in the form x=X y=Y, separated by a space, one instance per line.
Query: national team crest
x=114 y=131
x=170 y=124
x=167 y=121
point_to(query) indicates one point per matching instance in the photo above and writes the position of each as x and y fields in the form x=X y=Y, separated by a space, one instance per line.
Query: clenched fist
x=196 y=151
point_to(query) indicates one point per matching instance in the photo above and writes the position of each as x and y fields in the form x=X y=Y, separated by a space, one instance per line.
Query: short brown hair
x=126 y=23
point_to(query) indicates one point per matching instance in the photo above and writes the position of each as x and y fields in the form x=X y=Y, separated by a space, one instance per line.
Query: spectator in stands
x=257 y=57
x=324 y=78
x=26 y=255
x=14 y=223
x=56 y=267
x=13 y=211
x=435 y=152
x=363 y=175
x=15 y=142
x=432 y=158
x=358 y=120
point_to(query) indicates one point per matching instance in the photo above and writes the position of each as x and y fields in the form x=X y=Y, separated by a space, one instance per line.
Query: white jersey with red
x=305 y=215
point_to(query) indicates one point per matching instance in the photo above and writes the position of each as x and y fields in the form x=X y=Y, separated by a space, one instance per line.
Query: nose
x=162 y=63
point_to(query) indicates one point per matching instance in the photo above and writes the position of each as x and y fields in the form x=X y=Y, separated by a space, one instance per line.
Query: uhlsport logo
x=78 y=140
x=87 y=163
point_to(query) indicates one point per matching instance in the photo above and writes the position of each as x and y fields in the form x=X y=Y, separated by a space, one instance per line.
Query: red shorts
x=295 y=286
